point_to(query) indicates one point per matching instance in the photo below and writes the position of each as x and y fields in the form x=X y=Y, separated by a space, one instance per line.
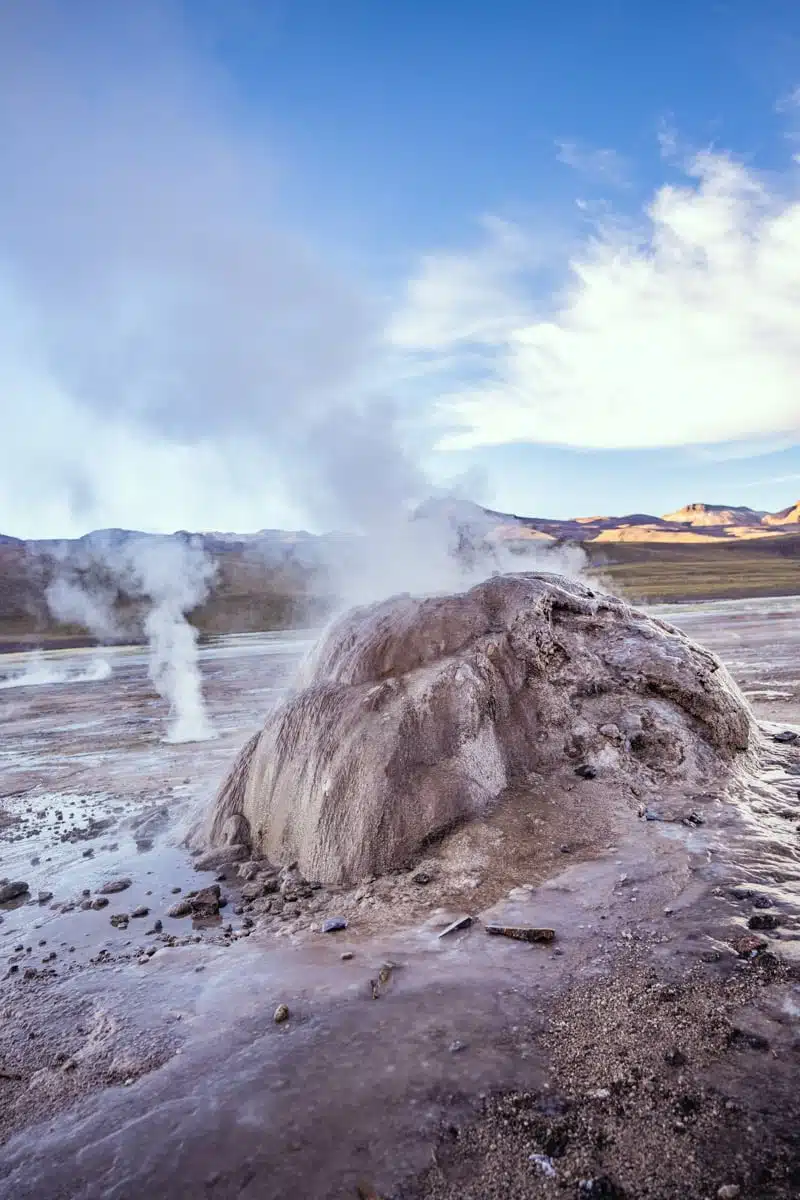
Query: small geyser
x=167 y=576
x=414 y=716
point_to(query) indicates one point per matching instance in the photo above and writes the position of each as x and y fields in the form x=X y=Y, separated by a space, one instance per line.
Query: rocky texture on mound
x=414 y=715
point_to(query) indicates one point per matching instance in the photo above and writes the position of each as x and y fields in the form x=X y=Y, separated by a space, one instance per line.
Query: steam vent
x=414 y=716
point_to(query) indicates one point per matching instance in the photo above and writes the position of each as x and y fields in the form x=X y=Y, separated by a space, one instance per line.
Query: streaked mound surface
x=415 y=715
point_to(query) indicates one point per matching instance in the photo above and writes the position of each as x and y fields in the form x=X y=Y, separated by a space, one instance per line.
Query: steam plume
x=172 y=577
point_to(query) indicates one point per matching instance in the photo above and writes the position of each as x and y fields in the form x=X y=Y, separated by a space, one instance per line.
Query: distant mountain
x=275 y=578
x=715 y=514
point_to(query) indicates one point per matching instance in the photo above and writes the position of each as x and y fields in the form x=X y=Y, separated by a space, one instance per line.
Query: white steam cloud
x=39 y=671
x=171 y=577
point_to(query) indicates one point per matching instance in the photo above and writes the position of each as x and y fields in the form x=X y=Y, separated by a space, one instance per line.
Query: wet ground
x=142 y=1061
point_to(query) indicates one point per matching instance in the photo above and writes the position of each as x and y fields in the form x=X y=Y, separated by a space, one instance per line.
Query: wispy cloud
x=790 y=102
x=598 y=165
x=685 y=330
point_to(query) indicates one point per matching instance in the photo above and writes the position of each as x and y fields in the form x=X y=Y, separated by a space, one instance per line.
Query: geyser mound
x=414 y=715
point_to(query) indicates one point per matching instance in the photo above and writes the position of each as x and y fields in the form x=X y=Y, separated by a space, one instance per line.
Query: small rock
x=456 y=1047
x=175 y=890
x=454 y=926
x=543 y=1164
x=10 y=891
x=206 y=902
x=598 y=1094
x=522 y=933
x=141 y=911
x=651 y=815
x=157 y=926
x=675 y=1057
x=728 y=1191
x=113 y=886
x=281 y=1014
x=785 y=737
x=224 y=856
x=348 y=954
x=182 y=909
x=764 y=920
x=422 y=878
x=98 y=902
x=694 y=818
x=88 y=853
x=748 y=945
x=120 y=920
x=334 y=924
x=586 y=771
x=43 y=897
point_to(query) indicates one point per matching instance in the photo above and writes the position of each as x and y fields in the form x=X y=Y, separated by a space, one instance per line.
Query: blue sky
x=262 y=262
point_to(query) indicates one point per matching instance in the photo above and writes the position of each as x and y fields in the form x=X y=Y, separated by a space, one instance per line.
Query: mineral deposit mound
x=414 y=715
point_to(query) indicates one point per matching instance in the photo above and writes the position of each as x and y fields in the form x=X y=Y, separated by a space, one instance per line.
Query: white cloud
x=790 y=101
x=684 y=331
x=170 y=333
x=598 y=165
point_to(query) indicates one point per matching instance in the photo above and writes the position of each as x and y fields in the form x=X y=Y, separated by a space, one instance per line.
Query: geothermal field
x=491 y=895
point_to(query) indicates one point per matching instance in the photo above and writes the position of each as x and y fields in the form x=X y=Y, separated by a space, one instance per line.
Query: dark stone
x=11 y=891
x=600 y=1188
x=206 y=902
x=141 y=911
x=651 y=815
x=522 y=933
x=764 y=920
x=786 y=736
x=334 y=924
x=675 y=1057
x=586 y=771
x=422 y=878
x=113 y=885
x=182 y=909
x=98 y=902
x=120 y=920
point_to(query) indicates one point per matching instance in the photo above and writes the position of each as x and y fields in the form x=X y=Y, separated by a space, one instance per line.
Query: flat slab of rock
x=454 y=926
x=523 y=933
x=113 y=885
x=222 y=856
x=11 y=891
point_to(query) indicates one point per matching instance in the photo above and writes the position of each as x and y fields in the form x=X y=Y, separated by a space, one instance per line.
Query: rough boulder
x=414 y=715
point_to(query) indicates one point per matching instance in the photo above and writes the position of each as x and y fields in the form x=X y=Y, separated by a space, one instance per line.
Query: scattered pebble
x=141 y=911
x=544 y=1164
x=348 y=954
x=728 y=1191
x=281 y=1014
x=334 y=924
